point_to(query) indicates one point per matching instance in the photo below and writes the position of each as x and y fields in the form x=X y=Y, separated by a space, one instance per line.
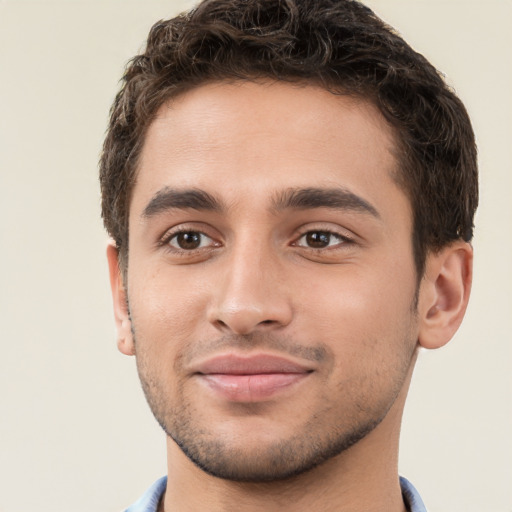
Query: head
x=291 y=191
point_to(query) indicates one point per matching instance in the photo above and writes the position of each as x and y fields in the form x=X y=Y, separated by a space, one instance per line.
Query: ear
x=444 y=293
x=125 y=342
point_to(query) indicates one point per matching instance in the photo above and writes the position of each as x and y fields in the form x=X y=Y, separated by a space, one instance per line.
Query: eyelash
x=165 y=241
x=342 y=240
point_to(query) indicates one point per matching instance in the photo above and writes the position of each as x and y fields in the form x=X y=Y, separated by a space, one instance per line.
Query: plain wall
x=75 y=432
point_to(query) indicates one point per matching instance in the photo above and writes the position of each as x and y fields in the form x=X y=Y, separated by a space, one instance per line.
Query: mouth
x=254 y=378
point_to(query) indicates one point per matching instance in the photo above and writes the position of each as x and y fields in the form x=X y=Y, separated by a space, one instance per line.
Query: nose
x=252 y=293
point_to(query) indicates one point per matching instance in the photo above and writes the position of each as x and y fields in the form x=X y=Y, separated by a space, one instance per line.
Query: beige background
x=75 y=432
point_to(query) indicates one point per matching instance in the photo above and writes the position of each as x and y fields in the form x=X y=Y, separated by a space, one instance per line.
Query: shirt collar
x=150 y=499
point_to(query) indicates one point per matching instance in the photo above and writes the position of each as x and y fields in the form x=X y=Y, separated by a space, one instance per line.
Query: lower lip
x=251 y=388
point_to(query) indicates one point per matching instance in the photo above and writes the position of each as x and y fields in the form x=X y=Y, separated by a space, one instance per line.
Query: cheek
x=362 y=314
x=167 y=308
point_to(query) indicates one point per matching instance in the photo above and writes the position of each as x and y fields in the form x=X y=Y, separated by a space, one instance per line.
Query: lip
x=253 y=378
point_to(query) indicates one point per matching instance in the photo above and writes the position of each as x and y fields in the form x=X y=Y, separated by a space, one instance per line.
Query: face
x=270 y=280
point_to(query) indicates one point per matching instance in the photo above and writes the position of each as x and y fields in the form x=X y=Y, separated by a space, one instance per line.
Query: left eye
x=320 y=239
x=190 y=240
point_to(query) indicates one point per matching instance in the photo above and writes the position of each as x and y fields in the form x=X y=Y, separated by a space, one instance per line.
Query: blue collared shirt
x=149 y=501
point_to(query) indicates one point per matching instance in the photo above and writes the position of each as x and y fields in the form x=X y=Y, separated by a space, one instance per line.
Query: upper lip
x=234 y=364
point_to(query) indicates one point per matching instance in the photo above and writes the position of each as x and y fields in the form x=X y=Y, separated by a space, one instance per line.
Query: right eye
x=190 y=240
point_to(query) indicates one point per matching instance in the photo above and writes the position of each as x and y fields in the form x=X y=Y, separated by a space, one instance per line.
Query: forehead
x=254 y=139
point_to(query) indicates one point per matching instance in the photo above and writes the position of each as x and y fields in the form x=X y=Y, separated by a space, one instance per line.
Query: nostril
x=243 y=317
x=221 y=324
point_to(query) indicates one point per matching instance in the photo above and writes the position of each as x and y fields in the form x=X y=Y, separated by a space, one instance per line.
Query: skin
x=327 y=285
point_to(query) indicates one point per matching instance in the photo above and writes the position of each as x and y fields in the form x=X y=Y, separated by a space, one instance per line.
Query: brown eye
x=320 y=240
x=189 y=240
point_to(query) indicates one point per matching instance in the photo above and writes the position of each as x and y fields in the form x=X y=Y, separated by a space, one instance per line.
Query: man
x=290 y=190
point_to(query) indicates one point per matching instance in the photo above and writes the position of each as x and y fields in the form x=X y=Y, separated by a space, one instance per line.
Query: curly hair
x=338 y=44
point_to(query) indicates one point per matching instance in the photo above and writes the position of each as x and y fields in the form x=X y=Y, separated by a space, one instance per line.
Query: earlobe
x=125 y=342
x=444 y=293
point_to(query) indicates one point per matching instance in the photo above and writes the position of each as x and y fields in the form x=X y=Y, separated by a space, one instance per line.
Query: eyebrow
x=333 y=198
x=171 y=199
x=294 y=198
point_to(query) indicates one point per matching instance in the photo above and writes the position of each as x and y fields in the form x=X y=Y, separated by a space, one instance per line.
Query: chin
x=258 y=461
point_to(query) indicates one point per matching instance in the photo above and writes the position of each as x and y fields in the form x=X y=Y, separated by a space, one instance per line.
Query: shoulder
x=148 y=502
x=412 y=499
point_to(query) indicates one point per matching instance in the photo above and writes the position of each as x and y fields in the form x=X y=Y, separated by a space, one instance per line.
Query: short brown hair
x=339 y=44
